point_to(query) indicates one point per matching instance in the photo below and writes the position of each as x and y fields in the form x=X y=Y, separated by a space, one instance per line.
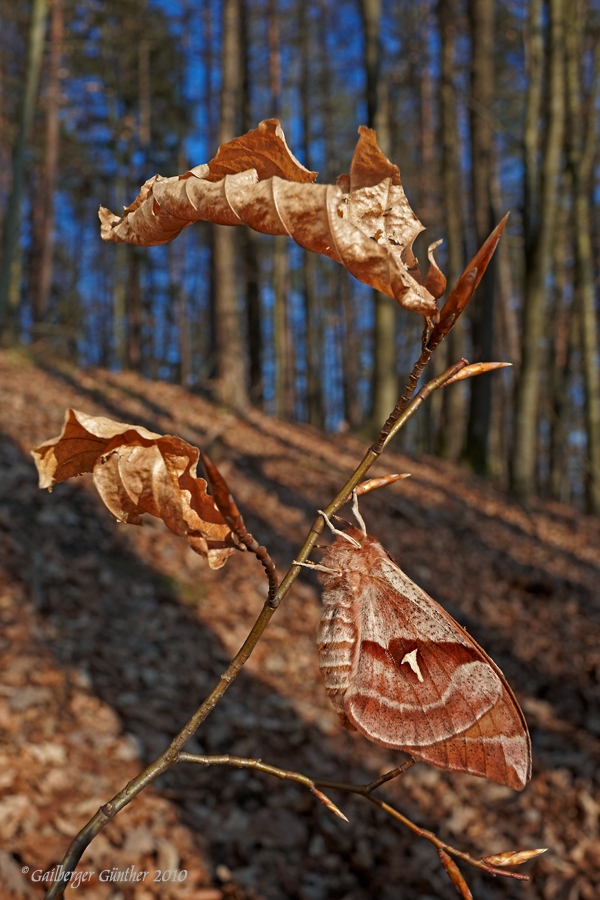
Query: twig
x=364 y=790
x=233 y=517
x=173 y=753
x=408 y=391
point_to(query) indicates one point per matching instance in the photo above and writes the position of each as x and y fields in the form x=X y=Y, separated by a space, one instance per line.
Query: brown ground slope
x=112 y=635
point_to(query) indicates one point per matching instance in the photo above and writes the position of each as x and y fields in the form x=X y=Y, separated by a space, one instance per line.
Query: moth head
x=348 y=556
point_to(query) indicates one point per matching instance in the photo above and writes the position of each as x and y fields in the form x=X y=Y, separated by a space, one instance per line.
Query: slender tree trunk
x=279 y=324
x=43 y=273
x=350 y=354
x=452 y=434
x=481 y=20
x=144 y=87
x=134 y=311
x=11 y=251
x=385 y=375
x=540 y=222
x=249 y=238
x=119 y=310
x=314 y=393
x=507 y=348
x=564 y=328
x=284 y=358
x=581 y=153
x=230 y=387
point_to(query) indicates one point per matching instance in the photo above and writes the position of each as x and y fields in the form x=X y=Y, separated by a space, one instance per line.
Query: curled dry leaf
x=364 y=222
x=512 y=857
x=137 y=471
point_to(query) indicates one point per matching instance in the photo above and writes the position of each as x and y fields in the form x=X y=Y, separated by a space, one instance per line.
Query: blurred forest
x=485 y=106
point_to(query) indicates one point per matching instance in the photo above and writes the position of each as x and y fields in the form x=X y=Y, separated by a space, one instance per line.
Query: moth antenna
x=357 y=514
x=337 y=530
x=312 y=565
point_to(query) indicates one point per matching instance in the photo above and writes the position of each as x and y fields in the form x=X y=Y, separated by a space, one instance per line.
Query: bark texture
x=11 y=250
x=454 y=407
x=230 y=382
x=541 y=186
x=481 y=20
x=582 y=147
x=385 y=374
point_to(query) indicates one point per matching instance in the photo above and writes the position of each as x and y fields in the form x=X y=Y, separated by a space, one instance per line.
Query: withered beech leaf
x=137 y=471
x=364 y=222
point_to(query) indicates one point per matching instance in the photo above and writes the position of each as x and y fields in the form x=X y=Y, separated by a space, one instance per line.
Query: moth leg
x=337 y=530
x=312 y=565
x=357 y=514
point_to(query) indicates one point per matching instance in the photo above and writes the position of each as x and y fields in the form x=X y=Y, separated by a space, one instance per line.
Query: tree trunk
x=45 y=242
x=11 y=251
x=581 y=153
x=230 y=382
x=119 y=310
x=279 y=323
x=284 y=357
x=350 y=354
x=314 y=393
x=134 y=311
x=564 y=328
x=481 y=22
x=385 y=374
x=250 y=240
x=452 y=433
x=540 y=224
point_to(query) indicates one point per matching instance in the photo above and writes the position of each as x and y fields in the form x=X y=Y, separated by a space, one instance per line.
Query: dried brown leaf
x=512 y=857
x=435 y=282
x=364 y=222
x=466 y=286
x=137 y=471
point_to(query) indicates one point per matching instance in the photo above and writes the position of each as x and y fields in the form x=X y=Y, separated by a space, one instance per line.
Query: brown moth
x=402 y=672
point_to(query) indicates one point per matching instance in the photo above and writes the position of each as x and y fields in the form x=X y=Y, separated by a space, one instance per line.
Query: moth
x=403 y=673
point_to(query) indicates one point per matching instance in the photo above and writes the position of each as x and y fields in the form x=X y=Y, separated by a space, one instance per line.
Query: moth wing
x=420 y=683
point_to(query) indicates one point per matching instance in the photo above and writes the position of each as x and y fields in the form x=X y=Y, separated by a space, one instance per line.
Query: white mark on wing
x=411 y=659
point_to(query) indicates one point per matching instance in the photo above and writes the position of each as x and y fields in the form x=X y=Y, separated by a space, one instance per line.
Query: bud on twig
x=328 y=803
x=454 y=875
x=373 y=483
x=512 y=857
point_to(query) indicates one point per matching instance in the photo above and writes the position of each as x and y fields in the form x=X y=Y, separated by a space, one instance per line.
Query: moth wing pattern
x=402 y=672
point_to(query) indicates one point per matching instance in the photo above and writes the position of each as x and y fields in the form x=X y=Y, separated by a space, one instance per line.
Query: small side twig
x=364 y=790
x=228 y=508
x=409 y=390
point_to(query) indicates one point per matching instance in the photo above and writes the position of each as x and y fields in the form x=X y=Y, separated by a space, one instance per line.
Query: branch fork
x=222 y=539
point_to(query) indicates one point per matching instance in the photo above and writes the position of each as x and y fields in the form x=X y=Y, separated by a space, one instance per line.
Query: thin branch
x=364 y=790
x=228 y=508
x=173 y=753
x=408 y=391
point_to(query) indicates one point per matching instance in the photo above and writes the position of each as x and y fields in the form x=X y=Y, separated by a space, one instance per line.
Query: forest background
x=485 y=106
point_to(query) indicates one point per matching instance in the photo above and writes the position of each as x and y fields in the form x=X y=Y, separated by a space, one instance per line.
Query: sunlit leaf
x=137 y=471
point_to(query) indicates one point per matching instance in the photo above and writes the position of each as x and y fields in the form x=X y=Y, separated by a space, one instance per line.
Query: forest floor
x=112 y=635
